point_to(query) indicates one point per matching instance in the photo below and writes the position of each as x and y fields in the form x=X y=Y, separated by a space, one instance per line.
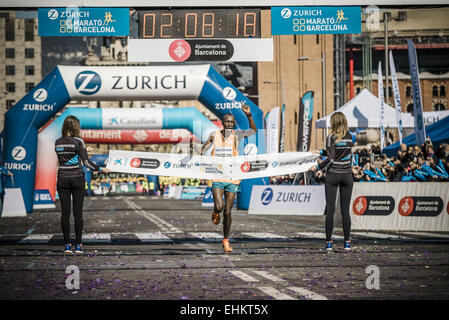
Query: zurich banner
x=288 y=200
x=315 y=20
x=80 y=21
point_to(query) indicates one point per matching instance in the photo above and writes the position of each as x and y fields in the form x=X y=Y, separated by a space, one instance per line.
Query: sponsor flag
x=282 y=138
x=420 y=130
x=272 y=125
x=305 y=122
x=396 y=96
x=382 y=107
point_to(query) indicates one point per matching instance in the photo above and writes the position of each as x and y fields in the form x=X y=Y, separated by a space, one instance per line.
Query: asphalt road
x=156 y=249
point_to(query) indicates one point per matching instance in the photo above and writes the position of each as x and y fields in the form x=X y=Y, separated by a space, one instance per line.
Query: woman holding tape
x=72 y=155
x=339 y=174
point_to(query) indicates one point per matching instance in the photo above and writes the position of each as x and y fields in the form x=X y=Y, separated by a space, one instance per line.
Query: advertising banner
x=282 y=133
x=420 y=129
x=422 y=206
x=380 y=87
x=81 y=21
x=287 y=200
x=179 y=50
x=315 y=20
x=396 y=96
x=191 y=192
x=206 y=167
x=305 y=122
x=137 y=136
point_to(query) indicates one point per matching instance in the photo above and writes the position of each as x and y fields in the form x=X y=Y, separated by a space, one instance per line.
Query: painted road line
x=309 y=295
x=37 y=238
x=317 y=235
x=207 y=236
x=268 y=276
x=153 y=237
x=96 y=237
x=264 y=235
x=428 y=234
x=161 y=224
x=379 y=235
x=275 y=293
x=142 y=197
x=242 y=275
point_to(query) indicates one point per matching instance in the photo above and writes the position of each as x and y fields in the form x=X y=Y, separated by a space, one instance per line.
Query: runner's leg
x=218 y=204
x=227 y=220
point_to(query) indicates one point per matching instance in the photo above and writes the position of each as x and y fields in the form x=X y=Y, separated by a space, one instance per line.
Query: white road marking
x=268 y=276
x=161 y=224
x=428 y=234
x=242 y=275
x=319 y=235
x=264 y=235
x=207 y=235
x=379 y=235
x=310 y=295
x=153 y=237
x=96 y=237
x=142 y=197
x=37 y=238
x=275 y=293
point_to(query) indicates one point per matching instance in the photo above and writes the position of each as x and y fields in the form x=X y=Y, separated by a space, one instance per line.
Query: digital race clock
x=210 y=23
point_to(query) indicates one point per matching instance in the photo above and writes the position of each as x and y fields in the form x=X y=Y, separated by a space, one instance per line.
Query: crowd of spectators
x=412 y=163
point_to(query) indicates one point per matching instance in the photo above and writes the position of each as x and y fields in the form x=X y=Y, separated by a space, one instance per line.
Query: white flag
x=272 y=125
x=381 y=99
x=396 y=95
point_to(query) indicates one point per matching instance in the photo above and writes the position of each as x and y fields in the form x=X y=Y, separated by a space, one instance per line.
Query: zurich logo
x=274 y=164
x=88 y=82
x=167 y=165
x=267 y=196
x=286 y=13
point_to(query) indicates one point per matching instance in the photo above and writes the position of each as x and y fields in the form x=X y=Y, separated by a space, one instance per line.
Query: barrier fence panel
x=411 y=206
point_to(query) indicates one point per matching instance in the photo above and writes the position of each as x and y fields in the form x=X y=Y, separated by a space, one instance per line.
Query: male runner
x=225 y=143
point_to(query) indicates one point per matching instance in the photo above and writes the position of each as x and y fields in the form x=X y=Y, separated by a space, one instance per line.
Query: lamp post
x=323 y=84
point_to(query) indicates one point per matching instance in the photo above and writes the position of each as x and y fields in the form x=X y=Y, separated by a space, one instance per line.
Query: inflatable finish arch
x=66 y=83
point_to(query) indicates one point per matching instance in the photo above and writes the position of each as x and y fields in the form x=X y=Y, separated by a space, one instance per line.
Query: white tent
x=363 y=111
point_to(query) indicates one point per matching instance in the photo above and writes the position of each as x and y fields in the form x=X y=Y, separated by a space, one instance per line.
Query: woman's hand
x=106 y=170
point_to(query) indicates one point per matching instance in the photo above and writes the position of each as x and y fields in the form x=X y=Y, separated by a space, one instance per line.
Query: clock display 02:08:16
x=200 y=25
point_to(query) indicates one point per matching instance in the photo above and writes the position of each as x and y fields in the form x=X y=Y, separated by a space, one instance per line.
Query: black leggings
x=74 y=187
x=333 y=181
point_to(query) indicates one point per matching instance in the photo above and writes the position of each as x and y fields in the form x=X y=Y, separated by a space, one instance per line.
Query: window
x=29 y=70
x=29 y=53
x=442 y=91
x=10 y=53
x=408 y=91
x=29 y=30
x=390 y=92
x=439 y=107
x=410 y=108
x=434 y=91
x=10 y=87
x=10 y=70
x=29 y=86
x=9 y=30
x=9 y=103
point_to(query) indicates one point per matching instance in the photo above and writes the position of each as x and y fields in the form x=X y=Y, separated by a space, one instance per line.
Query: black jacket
x=339 y=156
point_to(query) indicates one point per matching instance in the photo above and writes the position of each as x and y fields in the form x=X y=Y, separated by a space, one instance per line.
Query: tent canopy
x=438 y=133
x=363 y=111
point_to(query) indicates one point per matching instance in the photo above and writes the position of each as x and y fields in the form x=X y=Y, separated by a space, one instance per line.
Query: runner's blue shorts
x=226 y=186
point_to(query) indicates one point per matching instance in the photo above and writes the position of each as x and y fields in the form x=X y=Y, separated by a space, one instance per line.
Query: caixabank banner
x=403 y=206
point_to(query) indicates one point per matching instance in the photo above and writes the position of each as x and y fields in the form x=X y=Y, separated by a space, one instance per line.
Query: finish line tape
x=208 y=167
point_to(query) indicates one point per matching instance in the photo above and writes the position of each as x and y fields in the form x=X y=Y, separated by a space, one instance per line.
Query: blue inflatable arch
x=66 y=83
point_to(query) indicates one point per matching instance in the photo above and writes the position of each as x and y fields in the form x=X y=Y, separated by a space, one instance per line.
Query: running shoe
x=329 y=246
x=68 y=249
x=227 y=246
x=347 y=246
x=79 y=249
x=216 y=218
